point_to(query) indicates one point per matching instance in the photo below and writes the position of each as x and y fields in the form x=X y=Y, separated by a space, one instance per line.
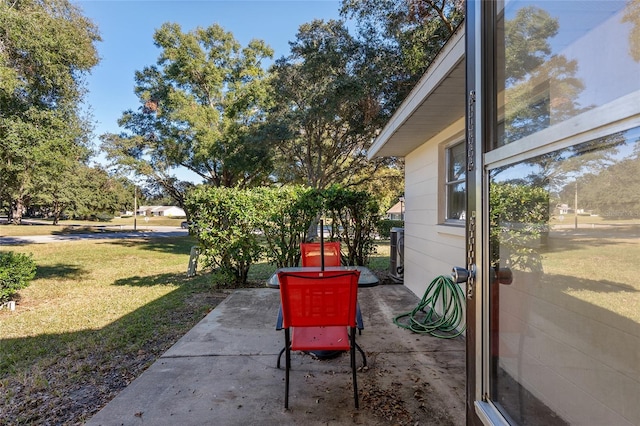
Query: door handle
x=462 y=275
x=503 y=276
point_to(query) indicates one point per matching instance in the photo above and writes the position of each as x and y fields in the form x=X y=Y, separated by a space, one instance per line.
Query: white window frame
x=446 y=213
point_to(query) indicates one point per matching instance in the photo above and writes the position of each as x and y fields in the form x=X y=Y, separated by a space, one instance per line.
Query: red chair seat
x=331 y=338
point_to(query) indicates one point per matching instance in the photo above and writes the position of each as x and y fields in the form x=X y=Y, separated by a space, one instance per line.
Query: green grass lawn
x=599 y=267
x=96 y=315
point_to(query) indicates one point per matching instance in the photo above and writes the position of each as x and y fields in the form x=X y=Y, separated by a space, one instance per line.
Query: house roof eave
x=436 y=102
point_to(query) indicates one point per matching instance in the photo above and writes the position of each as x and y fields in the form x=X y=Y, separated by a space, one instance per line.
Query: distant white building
x=164 y=211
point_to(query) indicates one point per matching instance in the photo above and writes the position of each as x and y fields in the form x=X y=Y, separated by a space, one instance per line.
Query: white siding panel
x=429 y=252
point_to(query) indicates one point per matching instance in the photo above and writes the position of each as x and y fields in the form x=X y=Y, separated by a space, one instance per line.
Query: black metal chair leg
x=287 y=362
x=280 y=356
x=364 y=358
x=352 y=353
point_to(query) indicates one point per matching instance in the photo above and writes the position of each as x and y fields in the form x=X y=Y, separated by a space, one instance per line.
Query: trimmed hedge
x=385 y=225
x=354 y=219
x=237 y=227
x=519 y=224
x=225 y=221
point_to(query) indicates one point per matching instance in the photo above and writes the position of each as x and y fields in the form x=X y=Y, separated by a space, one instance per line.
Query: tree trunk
x=57 y=212
x=15 y=214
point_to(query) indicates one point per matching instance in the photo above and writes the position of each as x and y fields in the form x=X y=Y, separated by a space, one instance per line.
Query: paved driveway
x=142 y=232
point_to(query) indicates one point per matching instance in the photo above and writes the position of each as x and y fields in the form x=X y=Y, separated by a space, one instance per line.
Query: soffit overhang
x=435 y=103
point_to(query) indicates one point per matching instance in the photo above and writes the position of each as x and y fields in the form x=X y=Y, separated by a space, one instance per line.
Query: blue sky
x=127 y=29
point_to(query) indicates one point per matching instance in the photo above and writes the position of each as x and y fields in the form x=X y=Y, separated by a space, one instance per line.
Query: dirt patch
x=406 y=402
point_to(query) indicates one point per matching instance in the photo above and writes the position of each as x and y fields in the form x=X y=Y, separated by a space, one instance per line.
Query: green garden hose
x=424 y=319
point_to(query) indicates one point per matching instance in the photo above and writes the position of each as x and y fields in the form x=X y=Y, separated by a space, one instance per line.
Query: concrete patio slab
x=223 y=372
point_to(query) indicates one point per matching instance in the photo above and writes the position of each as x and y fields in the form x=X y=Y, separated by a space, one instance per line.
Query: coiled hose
x=424 y=319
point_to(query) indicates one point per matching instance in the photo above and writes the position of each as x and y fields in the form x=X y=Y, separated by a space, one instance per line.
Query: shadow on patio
x=224 y=372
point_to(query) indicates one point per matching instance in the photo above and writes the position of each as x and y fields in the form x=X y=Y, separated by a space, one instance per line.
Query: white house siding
x=430 y=249
x=167 y=211
x=171 y=212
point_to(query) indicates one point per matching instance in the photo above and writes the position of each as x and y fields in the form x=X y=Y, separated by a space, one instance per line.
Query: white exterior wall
x=430 y=248
x=173 y=211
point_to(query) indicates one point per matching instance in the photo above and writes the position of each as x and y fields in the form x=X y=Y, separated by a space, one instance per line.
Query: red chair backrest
x=311 y=254
x=319 y=298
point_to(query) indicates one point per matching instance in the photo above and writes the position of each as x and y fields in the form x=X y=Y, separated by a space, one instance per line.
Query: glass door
x=555 y=135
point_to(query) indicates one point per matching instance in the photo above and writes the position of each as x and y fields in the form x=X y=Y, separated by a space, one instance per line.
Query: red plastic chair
x=311 y=254
x=318 y=314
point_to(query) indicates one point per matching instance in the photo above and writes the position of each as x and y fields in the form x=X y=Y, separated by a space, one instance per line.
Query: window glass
x=456 y=182
x=564 y=294
x=556 y=60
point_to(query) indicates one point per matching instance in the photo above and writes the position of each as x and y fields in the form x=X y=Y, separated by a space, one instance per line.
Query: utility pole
x=575 y=207
x=135 y=206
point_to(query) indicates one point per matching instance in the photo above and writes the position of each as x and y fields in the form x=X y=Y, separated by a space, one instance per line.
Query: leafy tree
x=539 y=88
x=607 y=184
x=57 y=187
x=46 y=47
x=399 y=39
x=387 y=184
x=202 y=104
x=406 y=35
x=100 y=194
x=632 y=16
x=154 y=194
x=156 y=173
x=526 y=41
x=81 y=191
x=326 y=109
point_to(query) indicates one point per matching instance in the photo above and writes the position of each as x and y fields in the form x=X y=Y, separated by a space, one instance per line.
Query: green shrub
x=519 y=223
x=104 y=217
x=385 y=225
x=225 y=220
x=288 y=212
x=354 y=218
x=16 y=272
